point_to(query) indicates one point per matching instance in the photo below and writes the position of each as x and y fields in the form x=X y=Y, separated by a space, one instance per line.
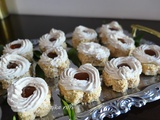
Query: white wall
x=138 y=9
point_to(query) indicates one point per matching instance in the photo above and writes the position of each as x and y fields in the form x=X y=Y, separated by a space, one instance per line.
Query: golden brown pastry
x=149 y=56
x=83 y=34
x=122 y=73
x=22 y=47
x=30 y=97
x=93 y=53
x=80 y=85
x=55 y=38
x=54 y=61
x=12 y=68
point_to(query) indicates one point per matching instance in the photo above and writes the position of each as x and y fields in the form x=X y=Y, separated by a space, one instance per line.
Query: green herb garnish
x=37 y=55
x=14 y=117
x=72 y=54
x=68 y=108
x=137 y=39
x=39 y=72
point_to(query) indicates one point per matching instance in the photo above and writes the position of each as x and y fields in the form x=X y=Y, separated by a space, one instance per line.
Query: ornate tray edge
x=123 y=104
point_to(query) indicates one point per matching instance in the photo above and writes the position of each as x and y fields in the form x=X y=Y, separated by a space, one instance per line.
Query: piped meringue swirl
x=21 y=104
x=110 y=28
x=121 y=41
x=61 y=56
x=82 y=33
x=23 y=66
x=123 y=67
x=25 y=46
x=143 y=57
x=57 y=35
x=68 y=81
x=94 y=49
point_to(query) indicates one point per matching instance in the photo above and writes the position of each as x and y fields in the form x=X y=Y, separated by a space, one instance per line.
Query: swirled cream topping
x=110 y=28
x=82 y=33
x=13 y=66
x=21 y=47
x=123 y=67
x=121 y=41
x=147 y=54
x=53 y=39
x=94 y=49
x=28 y=93
x=86 y=78
x=54 y=56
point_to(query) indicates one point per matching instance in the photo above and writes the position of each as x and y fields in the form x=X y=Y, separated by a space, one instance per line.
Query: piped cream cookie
x=149 y=56
x=55 y=38
x=80 y=85
x=54 y=61
x=22 y=47
x=120 y=44
x=30 y=97
x=122 y=73
x=107 y=29
x=83 y=34
x=12 y=68
x=93 y=53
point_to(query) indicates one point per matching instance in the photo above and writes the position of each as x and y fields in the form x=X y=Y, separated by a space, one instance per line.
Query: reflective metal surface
x=122 y=105
x=111 y=104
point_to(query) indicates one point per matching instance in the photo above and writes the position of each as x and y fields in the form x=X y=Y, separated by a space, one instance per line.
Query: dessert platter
x=82 y=75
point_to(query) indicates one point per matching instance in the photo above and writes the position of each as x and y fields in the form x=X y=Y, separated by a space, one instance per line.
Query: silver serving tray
x=115 y=107
x=111 y=104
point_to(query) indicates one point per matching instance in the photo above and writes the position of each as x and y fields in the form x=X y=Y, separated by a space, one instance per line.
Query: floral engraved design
x=122 y=105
